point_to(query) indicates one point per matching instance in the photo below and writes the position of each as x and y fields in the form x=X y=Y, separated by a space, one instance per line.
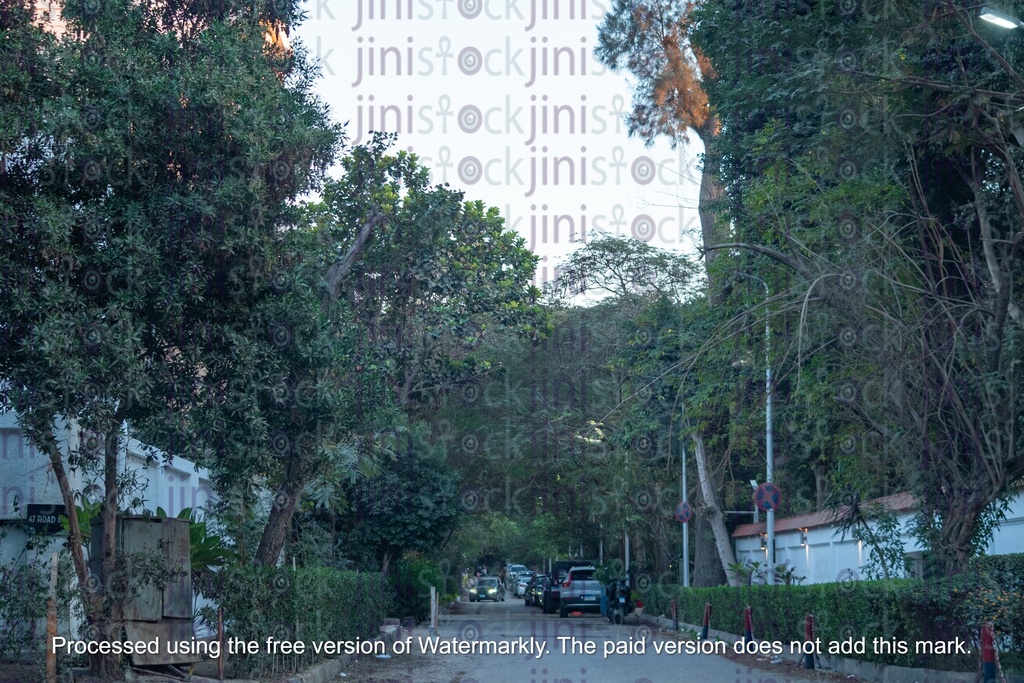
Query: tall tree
x=898 y=136
x=410 y=278
x=427 y=272
x=149 y=155
x=650 y=40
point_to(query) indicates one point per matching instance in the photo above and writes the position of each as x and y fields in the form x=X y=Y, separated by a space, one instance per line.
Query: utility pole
x=684 y=563
x=768 y=452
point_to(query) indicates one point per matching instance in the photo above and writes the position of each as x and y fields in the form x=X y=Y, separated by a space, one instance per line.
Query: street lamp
x=1000 y=19
x=769 y=455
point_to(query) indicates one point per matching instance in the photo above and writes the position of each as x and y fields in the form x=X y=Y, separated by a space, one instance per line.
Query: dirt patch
x=21 y=673
x=413 y=668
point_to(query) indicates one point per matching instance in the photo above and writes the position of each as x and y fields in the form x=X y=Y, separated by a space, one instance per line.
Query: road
x=508 y=622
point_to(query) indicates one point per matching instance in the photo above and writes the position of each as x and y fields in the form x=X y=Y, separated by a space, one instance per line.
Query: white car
x=513 y=574
x=522 y=580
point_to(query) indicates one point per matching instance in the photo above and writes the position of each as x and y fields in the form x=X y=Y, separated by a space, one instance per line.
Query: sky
x=505 y=100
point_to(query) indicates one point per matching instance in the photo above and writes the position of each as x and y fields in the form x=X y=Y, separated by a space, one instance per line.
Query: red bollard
x=748 y=628
x=707 y=621
x=809 y=637
x=988 y=653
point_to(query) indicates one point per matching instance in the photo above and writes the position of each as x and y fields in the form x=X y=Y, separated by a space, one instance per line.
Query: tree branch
x=338 y=272
x=774 y=255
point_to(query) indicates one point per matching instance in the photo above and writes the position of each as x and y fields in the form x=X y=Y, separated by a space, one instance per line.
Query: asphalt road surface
x=525 y=631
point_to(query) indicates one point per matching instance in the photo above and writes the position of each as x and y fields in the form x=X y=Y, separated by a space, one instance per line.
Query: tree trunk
x=710 y=192
x=707 y=567
x=712 y=547
x=820 y=486
x=92 y=600
x=712 y=511
x=959 y=515
x=286 y=500
x=108 y=621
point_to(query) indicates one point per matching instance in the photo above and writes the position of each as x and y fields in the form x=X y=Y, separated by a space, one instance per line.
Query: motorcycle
x=620 y=602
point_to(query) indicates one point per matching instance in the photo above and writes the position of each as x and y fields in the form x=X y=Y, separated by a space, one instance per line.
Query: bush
x=22 y=610
x=411 y=581
x=900 y=609
x=315 y=604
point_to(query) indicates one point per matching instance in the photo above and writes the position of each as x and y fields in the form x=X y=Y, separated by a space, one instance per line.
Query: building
x=814 y=547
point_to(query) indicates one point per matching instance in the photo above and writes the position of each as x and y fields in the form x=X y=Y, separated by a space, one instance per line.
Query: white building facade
x=812 y=545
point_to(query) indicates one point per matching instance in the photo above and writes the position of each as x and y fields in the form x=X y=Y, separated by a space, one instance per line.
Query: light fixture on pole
x=768 y=452
x=1000 y=19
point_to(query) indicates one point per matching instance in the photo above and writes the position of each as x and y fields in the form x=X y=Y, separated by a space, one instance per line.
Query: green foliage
x=315 y=604
x=411 y=581
x=23 y=590
x=86 y=513
x=151 y=160
x=904 y=609
x=884 y=541
x=433 y=274
x=785 y=574
x=748 y=573
x=207 y=550
x=409 y=505
x=873 y=187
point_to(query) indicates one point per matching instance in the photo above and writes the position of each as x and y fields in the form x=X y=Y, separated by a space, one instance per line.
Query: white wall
x=828 y=555
x=172 y=485
x=25 y=477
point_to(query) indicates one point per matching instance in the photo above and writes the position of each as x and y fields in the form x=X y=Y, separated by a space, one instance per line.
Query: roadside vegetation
x=376 y=386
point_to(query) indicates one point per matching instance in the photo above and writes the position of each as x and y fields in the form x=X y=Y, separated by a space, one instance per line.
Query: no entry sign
x=684 y=513
x=767 y=497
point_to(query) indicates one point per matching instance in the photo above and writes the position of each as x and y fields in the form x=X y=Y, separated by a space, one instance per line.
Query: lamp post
x=769 y=455
x=1000 y=19
x=685 y=564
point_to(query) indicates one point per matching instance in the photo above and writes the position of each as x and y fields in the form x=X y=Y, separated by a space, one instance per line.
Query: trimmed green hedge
x=315 y=604
x=904 y=609
x=411 y=580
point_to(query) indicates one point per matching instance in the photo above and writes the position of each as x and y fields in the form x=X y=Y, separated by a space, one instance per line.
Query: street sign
x=684 y=513
x=45 y=518
x=767 y=497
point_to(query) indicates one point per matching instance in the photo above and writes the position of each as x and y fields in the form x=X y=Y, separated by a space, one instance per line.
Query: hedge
x=900 y=609
x=309 y=605
x=411 y=581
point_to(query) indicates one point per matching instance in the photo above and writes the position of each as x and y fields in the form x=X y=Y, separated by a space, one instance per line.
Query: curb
x=326 y=671
x=883 y=673
x=320 y=673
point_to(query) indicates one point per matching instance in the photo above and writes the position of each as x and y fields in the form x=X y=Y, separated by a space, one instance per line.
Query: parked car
x=580 y=591
x=513 y=573
x=535 y=590
x=522 y=579
x=487 y=588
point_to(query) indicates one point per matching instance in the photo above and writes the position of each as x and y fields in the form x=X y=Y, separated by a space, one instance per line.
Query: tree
x=149 y=155
x=651 y=290
x=409 y=505
x=431 y=277
x=899 y=136
x=404 y=279
x=650 y=39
